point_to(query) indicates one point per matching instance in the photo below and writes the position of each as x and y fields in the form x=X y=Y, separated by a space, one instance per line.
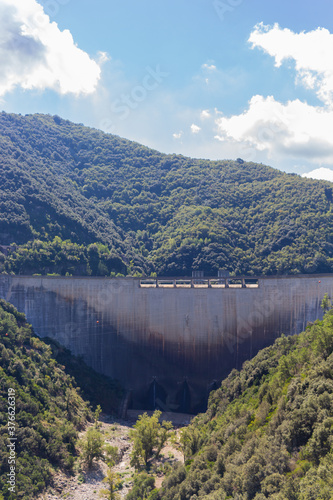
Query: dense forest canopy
x=76 y=200
x=267 y=433
x=48 y=410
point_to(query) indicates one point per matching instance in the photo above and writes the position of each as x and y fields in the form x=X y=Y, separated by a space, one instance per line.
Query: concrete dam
x=168 y=341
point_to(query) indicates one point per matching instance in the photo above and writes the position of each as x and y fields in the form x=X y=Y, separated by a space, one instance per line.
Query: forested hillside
x=41 y=405
x=268 y=431
x=76 y=200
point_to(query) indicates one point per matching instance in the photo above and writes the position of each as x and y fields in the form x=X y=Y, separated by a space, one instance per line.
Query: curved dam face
x=169 y=345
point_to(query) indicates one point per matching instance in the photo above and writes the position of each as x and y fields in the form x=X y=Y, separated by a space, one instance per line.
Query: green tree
x=96 y=416
x=92 y=446
x=143 y=488
x=326 y=303
x=148 y=436
x=113 y=484
x=189 y=440
x=112 y=455
x=163 y=435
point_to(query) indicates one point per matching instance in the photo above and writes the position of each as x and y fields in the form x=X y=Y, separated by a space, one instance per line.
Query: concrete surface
x=169 y=346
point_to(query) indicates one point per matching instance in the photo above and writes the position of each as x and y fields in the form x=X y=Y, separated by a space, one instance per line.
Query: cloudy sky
x=205 y=78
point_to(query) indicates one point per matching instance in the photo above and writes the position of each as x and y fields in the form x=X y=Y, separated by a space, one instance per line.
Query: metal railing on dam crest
x=168 y=340
x=239 y=282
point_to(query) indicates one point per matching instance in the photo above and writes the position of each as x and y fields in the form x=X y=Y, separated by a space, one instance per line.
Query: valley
x=134 y=281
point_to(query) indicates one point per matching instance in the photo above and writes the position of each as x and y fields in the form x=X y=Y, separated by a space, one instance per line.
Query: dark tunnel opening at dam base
x=168 y=346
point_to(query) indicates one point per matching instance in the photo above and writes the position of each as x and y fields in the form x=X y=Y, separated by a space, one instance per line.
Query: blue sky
x=204 y=78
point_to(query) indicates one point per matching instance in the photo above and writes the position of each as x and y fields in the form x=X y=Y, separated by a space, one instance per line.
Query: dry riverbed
x=86 y=485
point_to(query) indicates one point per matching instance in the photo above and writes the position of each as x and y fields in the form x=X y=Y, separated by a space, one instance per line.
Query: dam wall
x=169 y=345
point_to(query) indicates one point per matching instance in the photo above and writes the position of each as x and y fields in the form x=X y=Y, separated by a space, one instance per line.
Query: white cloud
x=195 y=129
x=205 y=114
x=178 y=136
x=103 y=57
x=311 y=51
x=323 y=173
x=293 y=129
x=35 y=54
x=209 y=67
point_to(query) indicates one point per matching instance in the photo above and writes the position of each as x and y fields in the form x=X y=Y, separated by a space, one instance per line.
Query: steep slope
x=268 y=431
x=149 y=211
x=41 y=408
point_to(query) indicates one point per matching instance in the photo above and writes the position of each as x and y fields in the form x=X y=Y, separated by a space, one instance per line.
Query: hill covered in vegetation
x=76 y=200
x=268 y=430
x=41 y=407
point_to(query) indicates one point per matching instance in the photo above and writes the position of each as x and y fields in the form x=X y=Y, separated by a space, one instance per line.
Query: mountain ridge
x=149 y=211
